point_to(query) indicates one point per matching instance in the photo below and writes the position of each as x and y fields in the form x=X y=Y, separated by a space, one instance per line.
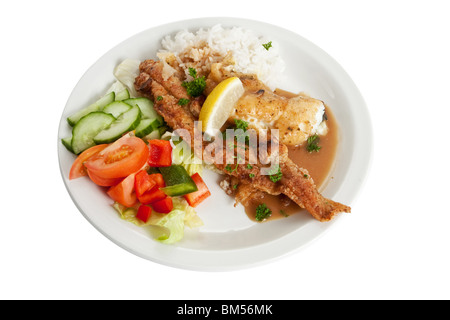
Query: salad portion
x=123 y=146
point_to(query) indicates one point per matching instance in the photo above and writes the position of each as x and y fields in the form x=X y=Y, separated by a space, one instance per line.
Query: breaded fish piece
x=296 y=182
x=300 y=119
x=296 y=118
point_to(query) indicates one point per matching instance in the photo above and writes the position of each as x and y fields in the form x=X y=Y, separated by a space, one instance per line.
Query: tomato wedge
x=120 y=159
x=160 y=153
x=103 y=182
x=194 y=198
x=78 y=169
x=163 y=206
x=123 y=192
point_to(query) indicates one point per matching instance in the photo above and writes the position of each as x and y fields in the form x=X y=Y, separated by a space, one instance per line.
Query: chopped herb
x=249 y=166
x=183 y=101
x=262 y=212
x=231 y=170
x=275 y=174
x=195 y=87
x=159 y=98
x=193 y=73
x=312 y=144
x=235 y=186
x=305 y=176
x=267 y=45
x=283 y=213
x=241 y=124
x=251 y=175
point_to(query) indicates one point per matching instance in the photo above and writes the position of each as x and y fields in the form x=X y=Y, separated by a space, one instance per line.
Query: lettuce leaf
x=169 y=227
x=117 y=86
x=165 y=228
x=191 y=218
x=126 y=72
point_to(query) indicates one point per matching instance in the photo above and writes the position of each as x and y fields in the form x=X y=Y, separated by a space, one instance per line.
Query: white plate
x=229 y=240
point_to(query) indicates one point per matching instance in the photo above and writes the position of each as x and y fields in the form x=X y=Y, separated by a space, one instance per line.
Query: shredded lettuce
x=191 y=219
x=126 y=72
x=117 y=86
x=128 y=214
x=166 y=228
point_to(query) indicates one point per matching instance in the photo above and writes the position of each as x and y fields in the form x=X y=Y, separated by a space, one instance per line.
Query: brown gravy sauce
x=318 y=164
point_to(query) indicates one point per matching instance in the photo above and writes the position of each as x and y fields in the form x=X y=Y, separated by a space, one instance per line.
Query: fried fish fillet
x=296 y=118
x=296 y=182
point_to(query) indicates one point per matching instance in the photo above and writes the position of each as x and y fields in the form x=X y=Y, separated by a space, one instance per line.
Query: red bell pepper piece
x=143 y=183
x=163 y=206
x=147 y=187
x=160 y=153
x=152 y=196
x=158 y=178
x=144 y=213
x=196 y=197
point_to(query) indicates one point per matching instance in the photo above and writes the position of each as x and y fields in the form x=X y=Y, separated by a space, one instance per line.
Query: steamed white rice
x=242 y=46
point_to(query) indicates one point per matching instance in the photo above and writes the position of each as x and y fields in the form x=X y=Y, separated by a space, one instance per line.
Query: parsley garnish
x=195 y=87
x=183 y=101
x=238 y=124
x=275 y=174
x=159 y=98
x=267 y=45
x=249 y=166
x=241 y=124
x=229 y=169
x=312 y=144
x=251 y=175
x=262 y=212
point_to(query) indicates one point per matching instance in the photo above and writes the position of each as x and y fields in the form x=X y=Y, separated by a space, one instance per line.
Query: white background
x=395 y=244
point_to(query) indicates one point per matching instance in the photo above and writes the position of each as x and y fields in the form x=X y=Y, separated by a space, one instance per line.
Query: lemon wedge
x=219 y=105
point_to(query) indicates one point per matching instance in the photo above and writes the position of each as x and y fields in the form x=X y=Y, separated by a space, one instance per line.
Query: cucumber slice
x=87 y=128
x=146 y=106
x=67 y=142
x=152 y=135
x=163 y=130
x=116 y=108
x=145 y=127
x=126 y=122
x=122 y=95
x=96 y=106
